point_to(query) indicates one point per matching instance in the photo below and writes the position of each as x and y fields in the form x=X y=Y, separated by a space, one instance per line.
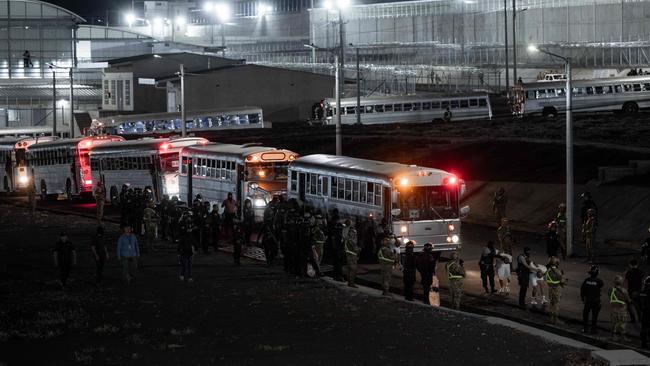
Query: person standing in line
x=504 y=263
x=499 y=202
x=560 y=219
x=215 y=226
x=590 y=295
x=151 y=220
x=555 y=280
x=634 y=278
x=318 y=238
x=100 y=253
x=409 y=267
x=504 y=234
x=100 y=200
x=186 y=252
x=229 y=212
x=128 y=252
x=237 y=242
x=645 y=314
x=337 y=252
x=486 y=265
x=588 y=204
x=523 y=276
x=65 y=256
x=269 y=243
x=164 y=219
x=618 y=299
x=248 y=221
x=456 y=275
x=386 y=261
x=552 y=241
x=426 y=265
x=589 y=234
x=352 y=251
x=645 y=250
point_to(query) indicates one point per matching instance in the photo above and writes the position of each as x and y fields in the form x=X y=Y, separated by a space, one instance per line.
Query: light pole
x=569 y=146
x=505 y=26
x=181 y=74
x=53 y=100
x=358 y=87
x=220 y=11
x=514 y=42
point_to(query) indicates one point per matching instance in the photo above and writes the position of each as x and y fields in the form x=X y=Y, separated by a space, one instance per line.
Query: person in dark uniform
x=163 y=213
x=292 y=237
x=186 y=246
x=248 y=221
x=237 y=241
x=215 y=226
x=409 y=268
x=304 y=244
x=100 y=253
x=645 y=315
x=337 y=251
x=426 y=265
x=174 y=219
x=523 y=275
x=588 y=204
x=65 y=257
x=486 y=265
x=269 y=243
x=590 y=295
x=187 y=228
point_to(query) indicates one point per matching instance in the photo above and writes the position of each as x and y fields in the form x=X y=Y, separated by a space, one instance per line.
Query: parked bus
x=410 y=109
x=627 y=94
x=140 y=163
x=63 y=166
x=7 y=145
x=31 y=131
x=420 y=204
x=21 y=172
x=170 y=122
x=250 y=172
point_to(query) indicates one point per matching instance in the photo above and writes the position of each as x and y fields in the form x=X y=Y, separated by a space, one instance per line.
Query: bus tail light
x=451 y=181
x=88 y=182
x=23 y=179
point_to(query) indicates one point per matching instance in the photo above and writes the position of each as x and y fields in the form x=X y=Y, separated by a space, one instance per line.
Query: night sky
x=95 y=7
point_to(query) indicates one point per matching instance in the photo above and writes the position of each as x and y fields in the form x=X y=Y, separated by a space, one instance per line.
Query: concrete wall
x=284 y=95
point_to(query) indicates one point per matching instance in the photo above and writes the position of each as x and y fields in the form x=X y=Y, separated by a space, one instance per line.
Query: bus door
x=301 y=186
x=157 y=171
x=240 y=177
x=387 y=204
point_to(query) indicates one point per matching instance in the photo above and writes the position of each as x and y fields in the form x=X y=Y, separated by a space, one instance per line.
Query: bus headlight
x=451 y=227
x=403 y=229
x=455 y=239
x=23 y=179
x=258 y=202
x=449 y=239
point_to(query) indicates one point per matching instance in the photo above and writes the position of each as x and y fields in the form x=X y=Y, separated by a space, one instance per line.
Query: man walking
x=128 y=252
x=386 y=260
x=455 y=274
x=409 y=266
x=555 y=280
x=426 y=265
x=100 y=253
x=590 y=295
x=65 y=256
x=523 y=275
x=352 y=251
x=100 y=200
x=486 y=264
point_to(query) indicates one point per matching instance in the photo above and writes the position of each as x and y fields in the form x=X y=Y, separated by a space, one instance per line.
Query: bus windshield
x=267 y=172
x=427 y=203
x=169 y=162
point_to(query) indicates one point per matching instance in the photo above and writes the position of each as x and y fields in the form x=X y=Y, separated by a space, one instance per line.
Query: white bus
x=627 y=94
x=31 y=131
x=247 y=171
x=410 y=109
x=63 y=166
x=140 y=163
x=21 y=173
x=419 y=203
x=6 y=152
x=170 y=122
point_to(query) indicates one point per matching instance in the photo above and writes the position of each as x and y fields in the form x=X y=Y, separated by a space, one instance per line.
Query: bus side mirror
x=464 y=212
x=395 y=212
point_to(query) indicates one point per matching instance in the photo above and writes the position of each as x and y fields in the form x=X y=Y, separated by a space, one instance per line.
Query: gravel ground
x=230 y=315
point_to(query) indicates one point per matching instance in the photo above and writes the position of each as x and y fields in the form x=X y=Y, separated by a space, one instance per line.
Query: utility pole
x=341 y=51
x=339 y=147
x=514 y=42
x=223 y=40
x=71 y=102
x=53 y=101
x=569 y=159
x=358 y=89
x=505 y=26
x=183 y=113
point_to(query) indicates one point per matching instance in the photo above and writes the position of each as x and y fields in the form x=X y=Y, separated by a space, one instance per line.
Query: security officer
x=504 y=234
x=352 y=251
x=554 y=278
x=588 y=204
x=590 y=295
x=151 y=220
x=618 y=299
x=386 y=260
x=318 y=237
x=100 y=199
x=456 y=275
x=560 y=219
x=589 y=233
x=408 y=269
x=164 y=219
x=426 y=265
x=291 y=232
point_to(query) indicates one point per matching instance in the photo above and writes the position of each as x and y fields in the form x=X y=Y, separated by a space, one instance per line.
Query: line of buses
x=420 y=204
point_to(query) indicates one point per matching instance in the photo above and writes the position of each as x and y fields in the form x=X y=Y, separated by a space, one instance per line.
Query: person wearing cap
x=100 y=253
x=352 y=251
x=645 y=314
x=426 y=265
x=456 y=275
x=590 y=295
x=408 y=268
x=619 y=299
x=65 y=256
x=589 y=234
x=386 y=261
x=128 y=252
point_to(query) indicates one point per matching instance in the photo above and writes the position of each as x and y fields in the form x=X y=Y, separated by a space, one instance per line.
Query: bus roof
x=406 y=98
x=26 y=130
x=116 y=120
x=71 y=142
x=237 y=151
x=8 y=141
x=587 y=82
x=355 y=166
x=146 y=145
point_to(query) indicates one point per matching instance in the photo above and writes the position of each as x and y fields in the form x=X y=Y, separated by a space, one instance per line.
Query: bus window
x=427 y=203
x=560 y=92
x=541 y=94
x=397 y=107
x=408 y=107
x=618 y=89
x=348 y=189
x=362 y=192
x=379 y=108
x=426 y=106
x=454 y=103
x=636 y=87
x=550 y=93
x=464 y=103
x=435 y=105
x=293 y=186
x=341 y=188
x=334 y=190
x=355 y=191
x=369 y=109
x=589 y=90
x=627 y=87
x=325 y=190
x=350 y=110
x=598 y=90
x=646 y=87
x=531 y=94
x=473 y=102
x=417 y=106
x=371 y=194
x=482 y=102
x=444 y=104
x=388 y=108
x=578 y=91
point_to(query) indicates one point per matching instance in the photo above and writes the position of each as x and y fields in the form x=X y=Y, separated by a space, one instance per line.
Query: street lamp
x=569 y=144
x=181 y=74
x=221 y=11
x=53 y=67
x=263 y=9
x=130 y=19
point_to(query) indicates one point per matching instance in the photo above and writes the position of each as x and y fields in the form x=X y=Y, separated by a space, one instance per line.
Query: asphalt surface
x=252 y=314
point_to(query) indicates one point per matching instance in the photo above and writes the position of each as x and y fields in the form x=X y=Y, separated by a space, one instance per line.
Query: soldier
x=318 y=238
x=164 y=219
x=138 y=210
x=337 y=251
x=151 y=220
x=590 y=295
x=31 y=195
x=618 y=299
x=100 y=199
x=504 y=234
x=304 y=244
x=426 y=265
x=174 y=215
x=352 y=251
x=215 y=226
x=386 y=261
x=589 y=234
x=560 y=220
x=554 y=278
x=588 y=204
x=499 y=203
x=409 y=267
x=455 y=274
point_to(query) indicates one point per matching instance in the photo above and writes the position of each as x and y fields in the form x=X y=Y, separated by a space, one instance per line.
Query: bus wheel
x=549 y=112
x=630 y=108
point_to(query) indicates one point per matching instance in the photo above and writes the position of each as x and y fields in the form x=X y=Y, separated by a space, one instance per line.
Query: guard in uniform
x=456 y=275
x=352 y=251
x=318 y=239
x=589 y=233
x=560 y=219
x=645 y=314
x=386 y=261
x=100 y=199
x=215 y=226
x=164 y=219
x=618 y=299
x=408 y=269
x=151 y=220
x=590 y=295
x=504 y=234
x=554 y=278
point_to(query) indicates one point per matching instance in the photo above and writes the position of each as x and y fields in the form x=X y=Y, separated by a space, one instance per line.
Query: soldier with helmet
x=555 y=280
x=589 y=233
x=456 y=275
x=560 y=220
x=590 y=295
x=619 y=299
x=151 y=220
x=352 y=251
x=386 y=258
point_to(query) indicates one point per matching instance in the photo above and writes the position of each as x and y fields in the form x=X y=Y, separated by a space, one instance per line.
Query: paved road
x=230 y=315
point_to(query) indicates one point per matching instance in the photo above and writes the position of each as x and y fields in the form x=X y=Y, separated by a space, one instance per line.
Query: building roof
x=232 y=66
x=100 y=32
x=148 y=56
x=41 y=10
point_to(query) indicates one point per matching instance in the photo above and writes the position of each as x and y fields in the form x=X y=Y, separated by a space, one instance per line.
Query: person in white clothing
x=537 y=283
x=503 y=262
